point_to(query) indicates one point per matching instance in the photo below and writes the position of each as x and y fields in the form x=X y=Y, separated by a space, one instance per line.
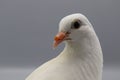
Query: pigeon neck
x=87 y=45
x=86 y=55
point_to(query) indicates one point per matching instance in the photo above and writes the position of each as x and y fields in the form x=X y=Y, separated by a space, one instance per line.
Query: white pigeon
x=81 y=58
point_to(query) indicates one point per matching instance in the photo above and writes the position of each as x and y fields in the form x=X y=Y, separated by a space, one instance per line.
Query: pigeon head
x=73 y=28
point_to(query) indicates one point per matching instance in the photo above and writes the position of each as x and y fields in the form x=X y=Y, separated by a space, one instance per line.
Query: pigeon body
x=81 y=58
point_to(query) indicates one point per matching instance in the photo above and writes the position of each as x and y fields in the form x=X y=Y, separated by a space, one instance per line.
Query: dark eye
x=76 y=24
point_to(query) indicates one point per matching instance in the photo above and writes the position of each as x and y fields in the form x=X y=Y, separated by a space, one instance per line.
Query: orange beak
x=59 y=38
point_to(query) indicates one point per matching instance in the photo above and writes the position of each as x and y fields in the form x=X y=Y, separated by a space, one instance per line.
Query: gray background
x=27 y=29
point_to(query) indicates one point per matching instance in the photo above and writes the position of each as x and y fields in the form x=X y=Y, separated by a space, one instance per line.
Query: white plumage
x=81 y=58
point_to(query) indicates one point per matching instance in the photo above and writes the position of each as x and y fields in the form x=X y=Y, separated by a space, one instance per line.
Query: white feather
x=81 y=58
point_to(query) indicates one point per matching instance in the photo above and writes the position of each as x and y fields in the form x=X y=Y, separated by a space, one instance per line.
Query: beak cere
x=59 y=38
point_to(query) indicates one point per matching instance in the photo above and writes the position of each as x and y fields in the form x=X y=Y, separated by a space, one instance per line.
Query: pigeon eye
x=76 y=24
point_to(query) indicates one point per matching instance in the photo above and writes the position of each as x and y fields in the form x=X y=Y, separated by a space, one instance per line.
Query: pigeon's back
x=56 y=69
x=63 y=69
x=51 y=70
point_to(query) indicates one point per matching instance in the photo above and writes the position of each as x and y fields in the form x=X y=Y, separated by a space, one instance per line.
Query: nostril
x=68 y=32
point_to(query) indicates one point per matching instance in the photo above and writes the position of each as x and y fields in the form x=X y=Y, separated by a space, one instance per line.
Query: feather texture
x=81 y=59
